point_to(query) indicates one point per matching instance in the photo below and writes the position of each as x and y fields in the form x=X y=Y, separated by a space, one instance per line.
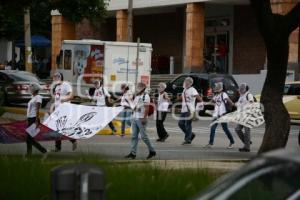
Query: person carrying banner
x=127 y=96
x=188 y=98
x=221 y=100
x=140 y=106
x=33 y=112
x=245 y=98
x=162 y=104
x=63 y=92
x=102 y=97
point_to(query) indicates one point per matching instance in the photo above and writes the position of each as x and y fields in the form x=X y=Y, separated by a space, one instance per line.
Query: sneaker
x=166 y=137
x=208 y=146
x=186 y=143
x=159 y=140
x=74 y=146
x=244 y=150
x=193 y=137
x=230 y=146
x=131 y=156
x=56 y=150
x=151 y=155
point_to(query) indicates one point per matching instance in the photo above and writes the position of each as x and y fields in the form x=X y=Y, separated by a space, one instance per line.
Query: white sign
x=33 y=130
x=79 y=121
x=250 y=116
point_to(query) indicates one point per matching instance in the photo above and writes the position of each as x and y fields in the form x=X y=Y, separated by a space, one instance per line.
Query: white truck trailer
x=82 y=61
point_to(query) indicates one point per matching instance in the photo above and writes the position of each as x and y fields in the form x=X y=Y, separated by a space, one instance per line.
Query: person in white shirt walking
x=63 y=92
x=33 y=112
x=162 y=110
x=126 y=98
x=188 y=97
x=140 y=107
x=102 y=97
x=220 y=99
x=245 y=99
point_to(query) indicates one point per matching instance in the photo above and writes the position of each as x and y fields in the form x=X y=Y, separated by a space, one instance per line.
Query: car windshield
x=228 y=83
x=24 y=77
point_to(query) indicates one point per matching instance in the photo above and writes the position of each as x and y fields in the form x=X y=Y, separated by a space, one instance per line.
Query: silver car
x=16 y=86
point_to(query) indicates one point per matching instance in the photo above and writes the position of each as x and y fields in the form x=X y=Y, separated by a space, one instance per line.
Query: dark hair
x=61 y=76
x=247 y=88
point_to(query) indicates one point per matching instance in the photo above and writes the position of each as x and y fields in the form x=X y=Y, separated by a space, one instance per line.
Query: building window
x=67 y=59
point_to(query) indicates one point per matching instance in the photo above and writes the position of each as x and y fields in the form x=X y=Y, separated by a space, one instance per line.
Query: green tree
x=275 y=30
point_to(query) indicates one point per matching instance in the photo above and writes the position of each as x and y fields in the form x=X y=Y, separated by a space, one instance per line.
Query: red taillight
x=22 y=87
x=209 y=92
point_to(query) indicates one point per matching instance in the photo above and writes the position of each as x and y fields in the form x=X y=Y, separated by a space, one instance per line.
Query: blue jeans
x=185 y=124
x=126 y=120
x=225 y=129
x=138 y=127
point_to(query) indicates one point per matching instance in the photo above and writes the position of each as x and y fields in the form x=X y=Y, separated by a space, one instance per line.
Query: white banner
x=250 y=116
x=79 y=121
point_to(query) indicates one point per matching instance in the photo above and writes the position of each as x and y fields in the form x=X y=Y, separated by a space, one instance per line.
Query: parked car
x=16 y=86
x=291 y=99
x=204 y=84
x=272 y=176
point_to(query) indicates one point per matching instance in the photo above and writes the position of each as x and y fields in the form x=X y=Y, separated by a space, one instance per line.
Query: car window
x=292 y=89
x=23 y=77
x=201 y=84
x=179 y=81
x=2 y=78
x=277 y=184
x=229 y=83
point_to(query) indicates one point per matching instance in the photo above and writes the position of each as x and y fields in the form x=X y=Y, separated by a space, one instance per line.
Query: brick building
x=194 y=32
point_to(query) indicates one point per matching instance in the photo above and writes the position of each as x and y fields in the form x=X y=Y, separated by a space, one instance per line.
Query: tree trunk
x=276 y=116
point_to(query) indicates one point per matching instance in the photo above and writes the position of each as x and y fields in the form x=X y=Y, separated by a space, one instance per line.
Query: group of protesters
x=137 y=108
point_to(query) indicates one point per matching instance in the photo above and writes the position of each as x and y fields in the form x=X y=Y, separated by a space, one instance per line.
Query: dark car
x=273 y=176
x=16 y=86
x=204 y=84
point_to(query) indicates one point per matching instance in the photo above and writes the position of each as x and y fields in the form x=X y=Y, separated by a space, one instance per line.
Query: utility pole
x=27 y=41
x=130 y=21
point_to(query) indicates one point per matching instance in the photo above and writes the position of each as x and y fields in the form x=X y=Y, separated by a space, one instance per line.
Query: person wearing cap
x=33 y=112
x=63 y=92
x=100 y=95
x=162 y=104
x=127 y=96
x=220 y=99
x=188 y=98
x=245 y=99
x=140 y=106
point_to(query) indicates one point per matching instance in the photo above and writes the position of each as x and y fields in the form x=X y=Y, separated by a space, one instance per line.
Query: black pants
x=30 y=141
x=58 y=144
x=160 y=118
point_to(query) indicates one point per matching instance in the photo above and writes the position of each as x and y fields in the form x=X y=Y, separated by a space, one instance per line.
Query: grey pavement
x=114 y=147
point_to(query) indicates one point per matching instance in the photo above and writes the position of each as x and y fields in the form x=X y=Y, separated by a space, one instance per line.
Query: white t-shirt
x=61 y=91
x=244 y=100
x=99 y=96
x=32 y=106
x=220 y=107
x=126 y=98
x=189 y=95
x=162 y=103
x=139 y=105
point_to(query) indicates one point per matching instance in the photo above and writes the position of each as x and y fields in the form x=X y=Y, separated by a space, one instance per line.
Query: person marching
x=220 y=99
x=245 y=99
x=63 y=92
x=140 y=107
x=127 y=112
x=188 y=97
x=100 y=95
x=162 y=110
x=33 y=112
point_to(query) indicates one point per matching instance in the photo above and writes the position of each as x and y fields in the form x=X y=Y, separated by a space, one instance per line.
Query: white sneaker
x=230 y=146
x=208 y=146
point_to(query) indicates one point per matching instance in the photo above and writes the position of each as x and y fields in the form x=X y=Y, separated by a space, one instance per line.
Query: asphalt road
x=114 y=147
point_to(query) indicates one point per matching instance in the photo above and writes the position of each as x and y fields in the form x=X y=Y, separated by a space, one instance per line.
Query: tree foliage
x=12 y=13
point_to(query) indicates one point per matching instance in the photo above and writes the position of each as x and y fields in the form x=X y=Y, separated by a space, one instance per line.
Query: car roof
x=284 y=155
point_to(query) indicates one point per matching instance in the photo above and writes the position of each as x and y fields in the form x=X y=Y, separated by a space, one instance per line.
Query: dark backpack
x=229 y=108
x=254 y=98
